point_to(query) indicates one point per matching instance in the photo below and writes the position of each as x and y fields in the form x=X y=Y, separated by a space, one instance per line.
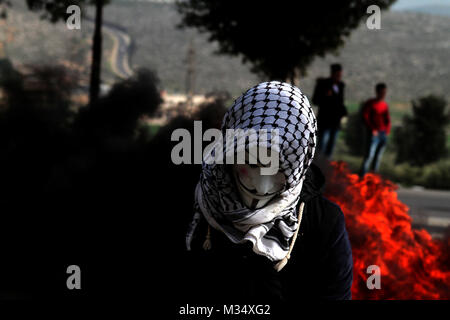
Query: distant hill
x=410 y=53
x=27 y=40
x=440 y=10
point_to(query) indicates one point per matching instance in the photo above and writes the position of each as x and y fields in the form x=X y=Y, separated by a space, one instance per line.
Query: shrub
x=356 y=133
x=422 y=137
x=433 y=176
x=437 y=175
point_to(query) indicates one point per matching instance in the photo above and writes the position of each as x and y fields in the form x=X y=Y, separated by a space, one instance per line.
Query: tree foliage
x=53 y=10
x=278 y=38
x=422 y=137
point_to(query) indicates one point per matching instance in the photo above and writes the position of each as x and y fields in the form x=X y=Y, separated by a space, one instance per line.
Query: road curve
x=120 y=56
x=121 y=51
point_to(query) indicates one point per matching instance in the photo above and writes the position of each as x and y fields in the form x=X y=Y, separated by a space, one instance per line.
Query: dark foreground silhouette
x=89 y=188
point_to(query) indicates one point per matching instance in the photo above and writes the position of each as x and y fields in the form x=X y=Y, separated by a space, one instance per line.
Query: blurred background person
x=378 y=123
x=329 y=97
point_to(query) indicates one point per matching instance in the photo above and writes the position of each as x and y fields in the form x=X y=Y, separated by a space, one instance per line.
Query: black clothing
x=330 y=103
x=320 y=266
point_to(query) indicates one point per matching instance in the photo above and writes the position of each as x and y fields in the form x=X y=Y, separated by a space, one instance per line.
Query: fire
x=412 y=264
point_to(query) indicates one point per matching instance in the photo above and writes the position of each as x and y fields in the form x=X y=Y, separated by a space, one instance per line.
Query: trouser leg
x=372 y=147
x=331 y=142
x=379 y=151
x=324 y=136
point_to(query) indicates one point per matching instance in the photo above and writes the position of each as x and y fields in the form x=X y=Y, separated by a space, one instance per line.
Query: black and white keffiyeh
x=268 y=105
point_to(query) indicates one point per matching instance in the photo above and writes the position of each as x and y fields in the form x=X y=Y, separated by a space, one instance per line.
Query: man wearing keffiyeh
x=260 y=232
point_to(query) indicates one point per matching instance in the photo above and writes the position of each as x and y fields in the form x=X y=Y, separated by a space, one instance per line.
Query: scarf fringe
x=207 y=244
x=280 y=265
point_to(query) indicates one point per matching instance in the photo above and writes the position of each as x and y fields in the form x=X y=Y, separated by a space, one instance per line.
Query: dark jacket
x=320 y=266
x=331 y=104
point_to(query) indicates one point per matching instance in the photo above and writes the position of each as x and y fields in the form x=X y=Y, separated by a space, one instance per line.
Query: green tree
x=422 y=137
x=55 y=10
x=279 y=38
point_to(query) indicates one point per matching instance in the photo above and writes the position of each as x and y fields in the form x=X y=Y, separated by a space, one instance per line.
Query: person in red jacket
x=378 y=122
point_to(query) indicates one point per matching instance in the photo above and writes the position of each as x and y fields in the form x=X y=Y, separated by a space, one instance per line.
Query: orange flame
x=412 y=264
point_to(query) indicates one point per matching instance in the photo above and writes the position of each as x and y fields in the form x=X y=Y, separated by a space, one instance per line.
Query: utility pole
x=94 y=87
x=190 y=73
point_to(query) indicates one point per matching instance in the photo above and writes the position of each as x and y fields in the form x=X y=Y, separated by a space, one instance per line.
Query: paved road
x=121 y=51
x=120 y=57
x=430 y=209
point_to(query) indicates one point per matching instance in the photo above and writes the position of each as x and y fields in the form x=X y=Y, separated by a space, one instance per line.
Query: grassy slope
x=38 y=42
x=410 y=52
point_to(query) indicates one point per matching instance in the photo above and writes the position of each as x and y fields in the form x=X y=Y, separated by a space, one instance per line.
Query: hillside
x=440 y=10
x=410 y=52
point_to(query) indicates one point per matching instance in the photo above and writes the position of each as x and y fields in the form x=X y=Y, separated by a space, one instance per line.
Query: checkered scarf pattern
x=269 y=105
